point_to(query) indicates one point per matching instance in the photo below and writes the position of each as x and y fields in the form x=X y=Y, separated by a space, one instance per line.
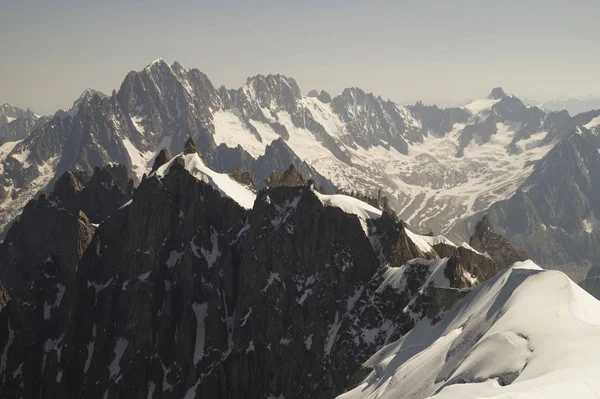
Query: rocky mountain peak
x=9 y=113
x=97 y=195
x=486 y=241
x=273 y=91
x=243 y=177
x=483 y=227
x=292 y=178
x=324 y=97
x=161 y=159
x=86 y=96
x=497 y=93
x=190 y=146
x=157 y=63
x=176 y=67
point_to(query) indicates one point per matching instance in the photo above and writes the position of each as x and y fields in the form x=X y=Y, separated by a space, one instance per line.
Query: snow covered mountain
x=552 y=214
x=438 y=168
x=16 y=124
x=527 y=333
x=575 y=105
x=193 y=284
x=356 y=140
x=8 y=113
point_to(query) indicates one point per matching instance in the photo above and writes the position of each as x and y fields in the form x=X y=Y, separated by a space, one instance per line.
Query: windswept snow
x=527 y=333
x=232 y=131
x=593 y=123
x=477 y=106
x=395 y=278
x=420 y=241
x=23 y=157
x=350 y=205
x=6 y=148
x=139 y=160
x=222 y=182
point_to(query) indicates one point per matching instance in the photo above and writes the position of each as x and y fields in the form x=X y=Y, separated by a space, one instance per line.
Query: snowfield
x=430 y=188
x=527 y=333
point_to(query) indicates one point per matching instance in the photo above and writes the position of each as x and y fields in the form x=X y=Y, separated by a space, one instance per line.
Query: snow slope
x=140 y=161
x=227 y=186
x=349 y=204
x=527 y=333
x=593 y=123
x=477 y=106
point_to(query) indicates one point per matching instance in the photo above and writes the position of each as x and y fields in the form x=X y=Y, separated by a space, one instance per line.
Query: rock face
x=592 y=282
x=161 y=159
x=8 y=114
x=185 y=293
x=20 y=127
x=486 y=241
x=98 y=195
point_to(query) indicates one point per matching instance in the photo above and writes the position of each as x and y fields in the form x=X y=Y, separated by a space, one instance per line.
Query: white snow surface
x=350 y=205
x=477 y=106
x=232 y=131
x=527 y=333
x=139 y=160
x=593 y=123
x=422 y=242
x=227 y=186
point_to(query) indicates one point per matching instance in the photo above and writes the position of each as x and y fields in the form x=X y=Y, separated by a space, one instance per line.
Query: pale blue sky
x=403 y=50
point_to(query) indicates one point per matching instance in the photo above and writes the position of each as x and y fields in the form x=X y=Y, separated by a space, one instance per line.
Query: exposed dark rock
x=438 y=120
x=394 y=242
x=277 y=158
x=592 y=282
x=98 y=196
x=243 y=177
x=161 y=159
x=324 y=97
x=485 y=240
x=497 y=93
x=190 y=147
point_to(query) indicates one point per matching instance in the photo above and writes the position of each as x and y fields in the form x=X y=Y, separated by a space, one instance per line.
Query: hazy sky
x=404 y=50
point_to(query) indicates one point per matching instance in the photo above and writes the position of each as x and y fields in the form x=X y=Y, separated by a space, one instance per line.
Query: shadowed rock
x=161 y=159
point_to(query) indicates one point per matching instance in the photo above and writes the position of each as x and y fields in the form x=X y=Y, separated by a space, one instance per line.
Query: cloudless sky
x=50 y=51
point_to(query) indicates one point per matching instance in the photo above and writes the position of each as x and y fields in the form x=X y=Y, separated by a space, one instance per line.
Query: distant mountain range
x=574 y=105
x=440 y=169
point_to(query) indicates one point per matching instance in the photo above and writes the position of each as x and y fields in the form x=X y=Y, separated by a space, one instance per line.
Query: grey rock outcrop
x=161 y=159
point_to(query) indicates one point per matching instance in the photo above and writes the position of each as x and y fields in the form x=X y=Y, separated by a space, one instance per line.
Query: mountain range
x=291 y=245
x=440 y=170
x=193 y=283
